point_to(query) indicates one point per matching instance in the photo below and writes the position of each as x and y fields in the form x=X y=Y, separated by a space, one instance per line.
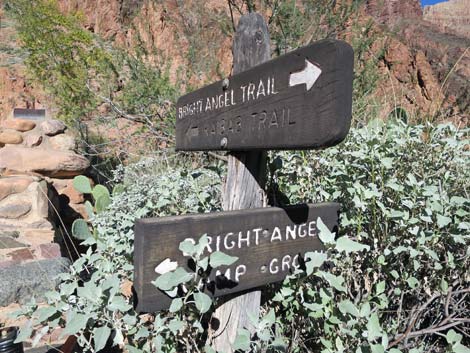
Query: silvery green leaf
x=218 y=259
x=82 y=184
x=102 y=202
x=412 y=282
x=443 y=221
x=377 y=348
x=387 y=162
x=269 y=319
x=169 y=280
x=365 y=310
x=242 y=341
x=348 y=246
x=373 y=327
x=187 y=247
x=80 y=229
x=313 y=306
x=99 y=190
x=315 y=260
x=25 y=332
x=460 y=348
x=453 y=337
x=100 y=337
x=335 y=281
x=119 y=303
x=348 y=307
x=175 y=325
x=380 y=287
x=264 y=335
x=202 y=244
x=45 y=313
x=75 y=323
x=204 y=263
x=142 y=333
x=324 y=234
x=197 y=325
x=203 y=302
x=464 y=225
x=176 y=305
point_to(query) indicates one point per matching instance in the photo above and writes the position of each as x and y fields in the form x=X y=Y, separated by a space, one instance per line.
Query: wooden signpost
x=301 y=100
x=269 y=243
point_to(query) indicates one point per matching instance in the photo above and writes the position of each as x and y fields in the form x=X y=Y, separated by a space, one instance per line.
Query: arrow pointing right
x=308 y=76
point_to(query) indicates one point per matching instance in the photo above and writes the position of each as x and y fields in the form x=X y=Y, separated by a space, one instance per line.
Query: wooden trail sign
x=267 y=241
x=301 y=100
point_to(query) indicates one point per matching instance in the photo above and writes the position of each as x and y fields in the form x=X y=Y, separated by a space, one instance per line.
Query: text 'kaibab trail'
x=301 y=100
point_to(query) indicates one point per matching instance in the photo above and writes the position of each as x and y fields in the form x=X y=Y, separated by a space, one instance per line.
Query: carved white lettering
x=226 y=244
x=242 y=239
x=239 y=271
x=286 y=262
x=256 y=231
x=276 y=234
x=261 y=90
x=302 y=230
x=312 y=229
x=290 y=231
x=273 y=268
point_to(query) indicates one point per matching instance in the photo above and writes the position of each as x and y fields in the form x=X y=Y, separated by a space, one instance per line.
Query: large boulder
x=14 y=210
x=62 y=142
x=18 y=124
x=10 y=136
x=19 y=283
x=46 y=162
x=52 y=127
x=32 y=139
x=13 y=185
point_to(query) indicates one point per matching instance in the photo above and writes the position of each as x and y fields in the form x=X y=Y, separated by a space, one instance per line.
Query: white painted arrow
x=309 y=75
x=166 y=266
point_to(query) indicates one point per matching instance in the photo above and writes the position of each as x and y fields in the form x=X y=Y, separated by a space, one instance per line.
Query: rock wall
x=37 y=204
x=390 y=11
x=451 y=16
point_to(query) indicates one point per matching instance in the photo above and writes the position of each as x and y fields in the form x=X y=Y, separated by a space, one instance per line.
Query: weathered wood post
x=244 y=186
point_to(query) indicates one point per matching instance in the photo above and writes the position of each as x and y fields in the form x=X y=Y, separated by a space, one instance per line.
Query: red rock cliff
x=389 y=11
x=450 y=16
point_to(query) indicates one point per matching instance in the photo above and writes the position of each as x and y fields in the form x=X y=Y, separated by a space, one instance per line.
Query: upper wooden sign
x=269 y=243
x=301 y=100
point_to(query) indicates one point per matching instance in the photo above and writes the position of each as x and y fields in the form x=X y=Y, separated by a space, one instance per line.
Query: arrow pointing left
x=308 y=76
x=192 y=131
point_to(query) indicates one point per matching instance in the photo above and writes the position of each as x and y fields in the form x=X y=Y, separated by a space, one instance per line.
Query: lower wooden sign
x=267 y=241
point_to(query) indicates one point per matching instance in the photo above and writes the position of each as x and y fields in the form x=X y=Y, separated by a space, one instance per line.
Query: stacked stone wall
x=37 y=206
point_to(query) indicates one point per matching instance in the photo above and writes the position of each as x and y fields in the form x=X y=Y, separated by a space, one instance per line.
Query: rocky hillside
x=15 y=89
x=450 y=16
x=393 y=10
x=193 y=40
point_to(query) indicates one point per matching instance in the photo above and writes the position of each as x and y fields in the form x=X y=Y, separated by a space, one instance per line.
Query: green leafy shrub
x=62 y=56
x=393 y=279
x=403 y=192
x=90 y=302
